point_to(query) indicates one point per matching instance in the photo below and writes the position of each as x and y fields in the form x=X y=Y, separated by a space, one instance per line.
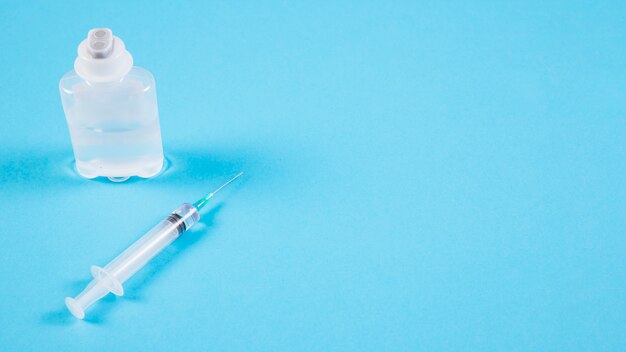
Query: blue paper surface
x=434 y=176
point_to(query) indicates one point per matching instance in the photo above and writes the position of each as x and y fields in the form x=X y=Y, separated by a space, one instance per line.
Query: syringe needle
x=199 y=204
x=224 y=185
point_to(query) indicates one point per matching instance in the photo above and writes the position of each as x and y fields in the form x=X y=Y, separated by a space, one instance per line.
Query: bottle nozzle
x=100 y=43
x=102 y=57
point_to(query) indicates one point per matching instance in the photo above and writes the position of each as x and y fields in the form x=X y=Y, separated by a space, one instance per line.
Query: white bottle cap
x=102 y=57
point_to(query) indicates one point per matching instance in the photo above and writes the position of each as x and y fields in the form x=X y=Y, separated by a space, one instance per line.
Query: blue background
x=419 y=176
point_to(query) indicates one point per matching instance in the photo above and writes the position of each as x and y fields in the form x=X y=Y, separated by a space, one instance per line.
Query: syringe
x=113 y=275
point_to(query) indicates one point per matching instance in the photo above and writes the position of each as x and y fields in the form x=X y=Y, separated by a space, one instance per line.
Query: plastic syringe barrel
x=139 y=253
x=113 y=275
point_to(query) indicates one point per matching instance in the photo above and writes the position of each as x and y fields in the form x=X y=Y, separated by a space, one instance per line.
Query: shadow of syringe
x=124 y=266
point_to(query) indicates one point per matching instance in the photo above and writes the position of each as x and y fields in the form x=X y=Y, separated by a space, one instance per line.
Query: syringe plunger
x=111 y=277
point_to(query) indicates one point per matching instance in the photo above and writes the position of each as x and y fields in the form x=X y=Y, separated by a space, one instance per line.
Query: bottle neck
x=103 y=84
x=111 y=69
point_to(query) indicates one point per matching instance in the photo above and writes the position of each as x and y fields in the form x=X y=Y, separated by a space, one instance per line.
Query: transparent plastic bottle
x=111 y=111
